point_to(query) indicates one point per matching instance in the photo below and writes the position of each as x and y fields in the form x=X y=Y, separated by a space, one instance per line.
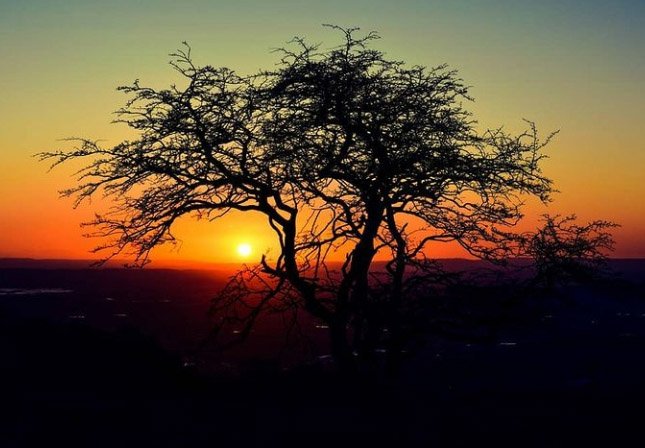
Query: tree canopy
x=565 y=251
x=340 y=149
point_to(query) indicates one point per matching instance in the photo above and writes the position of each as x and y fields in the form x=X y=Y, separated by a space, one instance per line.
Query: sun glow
x=244 y=250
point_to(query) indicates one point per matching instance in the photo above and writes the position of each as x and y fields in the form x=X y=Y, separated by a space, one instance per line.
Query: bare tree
x=563 y=251
x=343 y=151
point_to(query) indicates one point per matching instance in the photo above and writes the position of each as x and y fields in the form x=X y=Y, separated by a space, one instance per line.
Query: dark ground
x=108 y=358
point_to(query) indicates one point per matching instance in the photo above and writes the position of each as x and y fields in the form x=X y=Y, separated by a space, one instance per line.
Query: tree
x=343 y=150
x=563 y=251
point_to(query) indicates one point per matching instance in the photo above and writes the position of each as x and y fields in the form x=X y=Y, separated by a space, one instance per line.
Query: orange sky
x=576 y=67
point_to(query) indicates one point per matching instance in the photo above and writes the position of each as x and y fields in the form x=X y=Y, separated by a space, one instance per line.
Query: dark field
x=111 y=358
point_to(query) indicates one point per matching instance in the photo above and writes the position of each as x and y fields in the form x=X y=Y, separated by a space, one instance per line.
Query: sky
x=573 y=66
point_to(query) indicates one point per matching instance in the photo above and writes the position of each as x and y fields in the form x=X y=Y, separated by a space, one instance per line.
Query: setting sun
x=244 y=250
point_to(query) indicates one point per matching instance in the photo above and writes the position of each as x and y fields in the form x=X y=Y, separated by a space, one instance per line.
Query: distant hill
x=34 y=263
x=451 y=264
x=629 y=268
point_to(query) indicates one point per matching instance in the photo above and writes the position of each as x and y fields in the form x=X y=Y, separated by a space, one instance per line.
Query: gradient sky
x=577 y=66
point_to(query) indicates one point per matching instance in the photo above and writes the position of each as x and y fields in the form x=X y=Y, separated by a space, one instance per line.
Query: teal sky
x=577 y=66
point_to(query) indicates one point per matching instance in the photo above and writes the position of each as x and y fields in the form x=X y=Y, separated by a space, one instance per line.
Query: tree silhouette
x=342 y=150
x=563 y=251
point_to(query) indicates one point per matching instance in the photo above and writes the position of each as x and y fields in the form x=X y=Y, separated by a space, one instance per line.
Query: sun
x=244 y=250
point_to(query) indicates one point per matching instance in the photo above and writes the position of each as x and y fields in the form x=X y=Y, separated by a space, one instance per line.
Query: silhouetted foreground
x=80 y=370
x=341 y=150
